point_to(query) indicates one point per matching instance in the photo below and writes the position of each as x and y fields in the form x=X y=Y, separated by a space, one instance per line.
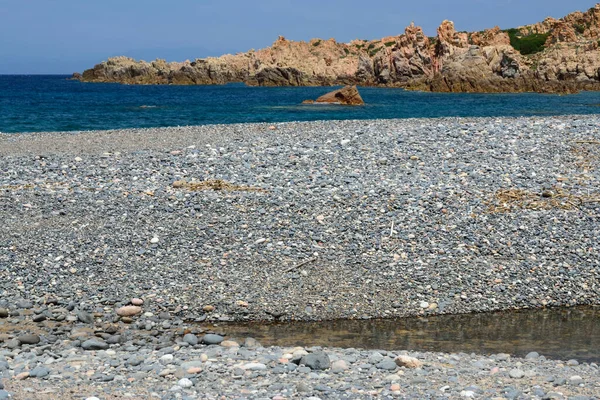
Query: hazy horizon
x=41 y=37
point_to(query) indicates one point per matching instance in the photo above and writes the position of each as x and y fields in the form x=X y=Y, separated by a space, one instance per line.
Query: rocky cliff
x=555 y=55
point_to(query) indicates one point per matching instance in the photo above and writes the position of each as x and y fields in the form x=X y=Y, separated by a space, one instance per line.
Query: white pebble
x=154 y=240
x=166 y=359
x=185 y=383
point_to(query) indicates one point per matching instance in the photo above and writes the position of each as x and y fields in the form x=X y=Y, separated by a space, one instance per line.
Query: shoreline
x=308 y=221
x=407 y=164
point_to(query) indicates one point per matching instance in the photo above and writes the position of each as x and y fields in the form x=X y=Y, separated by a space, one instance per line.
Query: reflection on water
x=555 y=333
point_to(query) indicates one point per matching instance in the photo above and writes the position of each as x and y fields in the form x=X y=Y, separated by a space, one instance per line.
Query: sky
x=65 y=36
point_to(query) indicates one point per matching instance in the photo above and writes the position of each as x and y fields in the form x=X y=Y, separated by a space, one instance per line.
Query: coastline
x=313 y=220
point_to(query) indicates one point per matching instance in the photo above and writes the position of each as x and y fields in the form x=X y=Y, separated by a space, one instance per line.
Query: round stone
x=254 y=366
x=28 y=339
x=516 y=373
x=191 y=339
x=185 y=383
x=94 y=344
x=339 y=366
x=137 y=302
x=212 y=339
x=129 y=311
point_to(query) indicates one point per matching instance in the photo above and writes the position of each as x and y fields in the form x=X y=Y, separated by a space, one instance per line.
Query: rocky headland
x=556 y=55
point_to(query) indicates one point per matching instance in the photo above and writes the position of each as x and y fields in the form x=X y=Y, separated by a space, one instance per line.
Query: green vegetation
x=371 y=46
x=579 y=28
x=374 y=51
x=346 y=51
x=318 y=42
x=530 y=44
x=390 y=44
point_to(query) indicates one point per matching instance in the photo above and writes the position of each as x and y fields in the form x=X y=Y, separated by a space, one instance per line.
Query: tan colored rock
x=347 y=96
x=561 y=32
x=229 y=343
x=129 y=311
x=208 y=308
x=407 y=362
x=137 y=302
x=22 y=376
x=490 y=37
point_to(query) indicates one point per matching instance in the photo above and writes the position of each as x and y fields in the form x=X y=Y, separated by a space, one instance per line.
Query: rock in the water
x=348 y=96
x=407 y=362
x=129 y=311
x=212 y=339
x=28 y=339
x=317 y=360
x=94 y=344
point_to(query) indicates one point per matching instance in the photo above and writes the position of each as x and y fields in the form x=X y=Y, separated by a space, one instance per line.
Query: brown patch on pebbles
x=208 y=308
x=214 y=184
x=48 y=390
x=509 y=200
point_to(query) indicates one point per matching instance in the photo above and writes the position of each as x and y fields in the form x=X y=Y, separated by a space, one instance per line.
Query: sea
x=37 y=103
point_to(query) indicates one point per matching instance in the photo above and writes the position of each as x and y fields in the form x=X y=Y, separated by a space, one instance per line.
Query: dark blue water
x=53 y=103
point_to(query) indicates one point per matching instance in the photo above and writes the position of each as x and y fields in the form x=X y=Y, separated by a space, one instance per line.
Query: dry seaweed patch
x=508 y=200
x=215 y=184
x=586 y=154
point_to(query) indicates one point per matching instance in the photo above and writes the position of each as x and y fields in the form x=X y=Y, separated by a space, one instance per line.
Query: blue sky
x=64 y=36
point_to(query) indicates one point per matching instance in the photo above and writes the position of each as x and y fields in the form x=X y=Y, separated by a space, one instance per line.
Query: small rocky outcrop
x=347 y=96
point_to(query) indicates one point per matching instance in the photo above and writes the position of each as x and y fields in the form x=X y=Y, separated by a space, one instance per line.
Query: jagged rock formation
x=551 y=56
x=347 y=96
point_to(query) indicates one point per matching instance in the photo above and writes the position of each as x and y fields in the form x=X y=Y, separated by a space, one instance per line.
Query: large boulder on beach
x=348 y=96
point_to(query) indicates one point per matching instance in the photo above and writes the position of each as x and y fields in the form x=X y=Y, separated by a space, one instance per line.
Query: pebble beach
x=117 y=246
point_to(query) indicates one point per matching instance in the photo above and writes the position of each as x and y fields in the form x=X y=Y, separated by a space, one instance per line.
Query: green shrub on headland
x=529 y=44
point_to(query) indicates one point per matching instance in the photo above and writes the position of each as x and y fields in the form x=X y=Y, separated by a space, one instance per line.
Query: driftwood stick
x=310 y=260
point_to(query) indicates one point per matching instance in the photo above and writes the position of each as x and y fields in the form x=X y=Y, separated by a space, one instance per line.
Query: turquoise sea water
x=54 y=103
